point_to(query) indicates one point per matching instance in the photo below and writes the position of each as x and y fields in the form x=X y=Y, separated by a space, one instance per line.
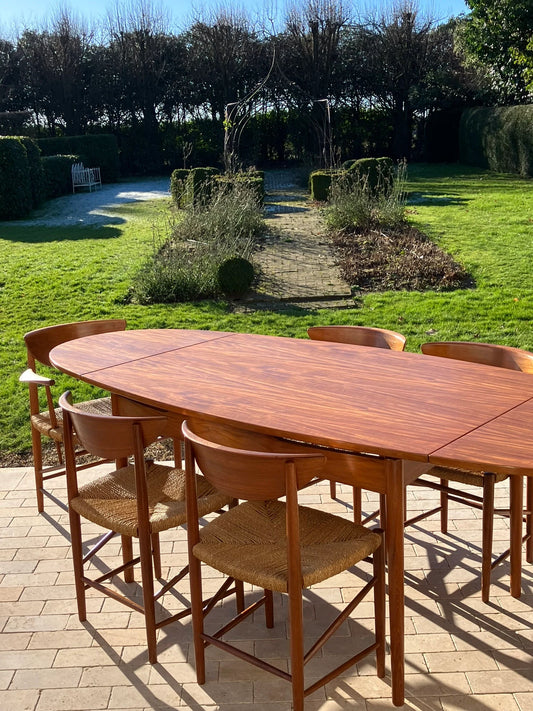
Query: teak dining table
x=384 y=417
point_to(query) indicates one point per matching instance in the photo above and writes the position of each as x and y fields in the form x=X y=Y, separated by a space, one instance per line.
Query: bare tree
x=55 y=65
x=400 y=50
x=226 y=58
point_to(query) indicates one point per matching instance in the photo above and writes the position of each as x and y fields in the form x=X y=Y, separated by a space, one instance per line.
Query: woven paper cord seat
x=328 y=545
x=111 y=502
x=42 y=421
x=461 y=476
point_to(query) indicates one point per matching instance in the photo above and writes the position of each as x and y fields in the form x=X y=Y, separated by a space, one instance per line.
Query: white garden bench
x=85 y=177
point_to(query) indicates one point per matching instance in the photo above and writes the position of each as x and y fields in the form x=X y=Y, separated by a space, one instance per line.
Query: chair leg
x=127 y=555
x=156 y=555
x=297 y=648
x=269 y=609
x=487 y=535
x=333 y=489
x=147 y=581
x=357 y=504
x=195 y=580
x=239 y=595
x=37 y=447
x=77 y=560
x=379 y=606
x=529 y=519
x=443 y=508
x=383 y=511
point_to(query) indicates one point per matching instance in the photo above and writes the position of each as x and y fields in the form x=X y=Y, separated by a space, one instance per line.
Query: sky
x=30 y=13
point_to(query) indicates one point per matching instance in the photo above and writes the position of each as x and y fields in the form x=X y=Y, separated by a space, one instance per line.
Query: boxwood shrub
x=199 y=183
x=178 y=186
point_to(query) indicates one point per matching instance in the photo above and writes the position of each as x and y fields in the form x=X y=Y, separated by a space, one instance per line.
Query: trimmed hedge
x=58 y=174
x=199 y=183
x=15 y=181
x=499 y=138
x=320 y=183
x=94 y=151
x=255 y=180
x=35 y=168
x=378 y=172
x=178 y=186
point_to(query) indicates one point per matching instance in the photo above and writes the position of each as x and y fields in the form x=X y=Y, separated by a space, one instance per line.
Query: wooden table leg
x=516 y=519
x=395 y=559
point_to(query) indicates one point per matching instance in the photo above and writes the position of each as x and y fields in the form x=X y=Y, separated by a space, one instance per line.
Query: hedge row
x=377 y=174
x=22 y=182
x=499 y=138
x=100 y=150
x=194 y=185
x=58 y=174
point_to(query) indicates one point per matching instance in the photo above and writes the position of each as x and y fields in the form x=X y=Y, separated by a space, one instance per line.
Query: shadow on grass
x=415 y=198
x=39 y=234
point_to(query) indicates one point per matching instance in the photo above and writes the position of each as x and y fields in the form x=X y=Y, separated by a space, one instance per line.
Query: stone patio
x=460 y=653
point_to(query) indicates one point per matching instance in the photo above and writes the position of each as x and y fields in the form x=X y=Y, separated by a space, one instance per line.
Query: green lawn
x=56 y=275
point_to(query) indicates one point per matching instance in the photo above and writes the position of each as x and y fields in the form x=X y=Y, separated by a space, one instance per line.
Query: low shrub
x=199 y=185
x=186 y=266
x=178 y=186
x=254 y=180
x=235 y=276
x=377 y=174
x=320 y=184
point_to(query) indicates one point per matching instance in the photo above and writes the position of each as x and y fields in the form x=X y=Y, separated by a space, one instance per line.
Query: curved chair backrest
x=110 y=436
x=244 y=472
x=41 y=341
x=359 y=336
x=485 y=353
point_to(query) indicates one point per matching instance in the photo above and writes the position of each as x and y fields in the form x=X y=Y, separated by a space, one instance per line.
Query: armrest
x=30 y=376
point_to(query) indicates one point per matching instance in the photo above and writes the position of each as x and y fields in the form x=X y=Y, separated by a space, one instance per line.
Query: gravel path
x=98 y=207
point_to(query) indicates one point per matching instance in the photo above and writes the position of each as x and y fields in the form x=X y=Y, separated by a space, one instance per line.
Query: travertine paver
x=461 y=654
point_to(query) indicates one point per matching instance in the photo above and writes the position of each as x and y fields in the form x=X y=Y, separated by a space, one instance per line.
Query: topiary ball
x=235 y=276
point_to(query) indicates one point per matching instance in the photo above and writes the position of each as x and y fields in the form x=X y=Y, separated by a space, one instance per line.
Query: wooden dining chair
x=502 y=357
x=137 y=500
x=48 y=423
x=274 y=545
x=358 y=336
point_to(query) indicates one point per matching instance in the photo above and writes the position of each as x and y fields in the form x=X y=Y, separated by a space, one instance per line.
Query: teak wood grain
x=401 y=405
x=504 y=445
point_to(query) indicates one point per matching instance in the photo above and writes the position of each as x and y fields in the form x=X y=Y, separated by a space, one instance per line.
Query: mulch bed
x=400 y=259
